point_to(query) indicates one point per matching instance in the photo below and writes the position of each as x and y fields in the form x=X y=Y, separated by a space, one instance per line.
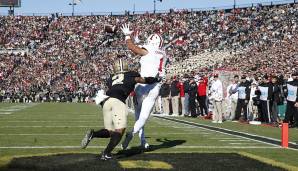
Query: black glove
x=151 y=80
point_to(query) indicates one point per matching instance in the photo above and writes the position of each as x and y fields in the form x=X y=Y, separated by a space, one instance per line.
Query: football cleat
x=145 y=145
x=126 y=141
x=87 y=138
x=105 y=157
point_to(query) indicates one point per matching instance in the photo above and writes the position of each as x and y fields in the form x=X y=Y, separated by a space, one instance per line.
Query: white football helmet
x=155 y=41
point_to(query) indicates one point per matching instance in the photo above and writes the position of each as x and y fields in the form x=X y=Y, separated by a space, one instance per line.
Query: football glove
x=100 y=97
x=125 y=29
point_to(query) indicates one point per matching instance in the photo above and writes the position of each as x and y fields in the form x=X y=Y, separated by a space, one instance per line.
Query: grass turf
x=56 y=127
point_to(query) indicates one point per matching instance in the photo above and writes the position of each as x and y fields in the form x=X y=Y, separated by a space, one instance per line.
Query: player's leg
x=102 y=133
x=147 y=107
x=144 y=143
x=139 y=90
x=119 y=119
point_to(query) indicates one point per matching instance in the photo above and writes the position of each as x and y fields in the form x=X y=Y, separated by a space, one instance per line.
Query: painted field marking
x=235 y=140
x=11 y=109
x=5 y=113
x=243 y=143
x=18 y=121
x=49 y=134
x=223 y=138
x=118 y=147
x=173 y=121
x=88 y=115
x=69 y=126
x=145 y=164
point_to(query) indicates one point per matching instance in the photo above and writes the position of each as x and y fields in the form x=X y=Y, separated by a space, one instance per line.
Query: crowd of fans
x=69 y=58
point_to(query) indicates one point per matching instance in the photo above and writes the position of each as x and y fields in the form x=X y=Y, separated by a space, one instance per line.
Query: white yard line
x=235 y=140
x=223 y=138
x=5 y=113
x=18 y=121
x=49 y=134
x=178 y=147
x=243 y=143
x=225 y=133
x=11 y=109
x=68 y=126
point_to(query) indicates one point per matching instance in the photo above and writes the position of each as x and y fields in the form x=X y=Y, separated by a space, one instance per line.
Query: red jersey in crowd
x=181 y=89
x=202 y=87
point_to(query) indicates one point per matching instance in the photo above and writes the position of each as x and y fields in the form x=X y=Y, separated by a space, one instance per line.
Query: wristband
x=127 y=37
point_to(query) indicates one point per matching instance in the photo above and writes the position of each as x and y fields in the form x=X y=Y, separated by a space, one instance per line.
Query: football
x=109 y=28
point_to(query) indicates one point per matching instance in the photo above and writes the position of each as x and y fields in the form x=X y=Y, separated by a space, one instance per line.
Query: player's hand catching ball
x=125 y=29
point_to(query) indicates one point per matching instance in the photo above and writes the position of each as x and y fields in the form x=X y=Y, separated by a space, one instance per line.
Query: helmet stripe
x=121 y=65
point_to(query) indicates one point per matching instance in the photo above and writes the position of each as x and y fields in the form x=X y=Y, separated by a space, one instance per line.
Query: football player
x=152 y=62
x=121 y=84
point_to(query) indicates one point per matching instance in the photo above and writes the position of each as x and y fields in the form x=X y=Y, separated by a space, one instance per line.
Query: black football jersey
x=121 y=85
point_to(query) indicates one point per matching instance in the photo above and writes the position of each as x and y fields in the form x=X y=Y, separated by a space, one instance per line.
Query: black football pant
x=265 y=111
x=291 y=113
x=192 y=106
x=241 y=105
x=203 y=105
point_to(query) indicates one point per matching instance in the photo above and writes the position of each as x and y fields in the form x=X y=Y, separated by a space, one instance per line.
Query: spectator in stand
x=202 y=95
x=64 y=51
x=165 y=93
x=175 y=96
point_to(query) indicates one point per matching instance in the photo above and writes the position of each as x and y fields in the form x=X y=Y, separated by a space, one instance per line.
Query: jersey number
x=118 y=79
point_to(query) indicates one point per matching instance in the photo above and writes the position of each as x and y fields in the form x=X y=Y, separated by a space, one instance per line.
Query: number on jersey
x=117 y=79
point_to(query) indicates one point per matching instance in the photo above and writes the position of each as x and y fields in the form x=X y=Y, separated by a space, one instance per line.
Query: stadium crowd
x=69 y=58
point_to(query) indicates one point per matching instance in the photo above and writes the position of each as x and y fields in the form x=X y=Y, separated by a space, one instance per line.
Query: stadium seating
x=71 y=56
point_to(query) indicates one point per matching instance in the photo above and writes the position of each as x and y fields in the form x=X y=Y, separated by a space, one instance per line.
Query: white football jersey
x=153 y=63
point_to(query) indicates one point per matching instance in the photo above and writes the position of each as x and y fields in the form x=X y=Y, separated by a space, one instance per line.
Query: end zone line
x=118 y=147
x=254 y=137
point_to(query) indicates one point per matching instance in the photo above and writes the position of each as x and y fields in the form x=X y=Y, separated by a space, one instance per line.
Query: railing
x=267 y=3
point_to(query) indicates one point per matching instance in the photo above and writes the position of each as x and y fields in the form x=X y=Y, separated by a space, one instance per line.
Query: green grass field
x=52 y=132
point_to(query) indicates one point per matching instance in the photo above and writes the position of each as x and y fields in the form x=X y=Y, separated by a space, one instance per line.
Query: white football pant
x=146 y=96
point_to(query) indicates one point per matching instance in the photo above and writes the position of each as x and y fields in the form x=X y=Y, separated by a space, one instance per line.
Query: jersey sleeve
x=109 y=82
x=134 y=74
x=131 y=76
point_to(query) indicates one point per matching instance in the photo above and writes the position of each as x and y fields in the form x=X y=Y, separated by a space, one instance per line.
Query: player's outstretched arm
x=130 y=44
x=147 y=80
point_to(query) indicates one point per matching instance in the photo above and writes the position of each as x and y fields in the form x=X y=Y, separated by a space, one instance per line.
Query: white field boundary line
x=224 y=133
x=118 y=147
x=76 y=126
x=59 y=115
x=17 y=121
x=233 y=134
x=84 y=134
x=236 y=131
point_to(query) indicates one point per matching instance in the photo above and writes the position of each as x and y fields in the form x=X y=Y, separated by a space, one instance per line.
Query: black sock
x=114 y=141
x=103 y=133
